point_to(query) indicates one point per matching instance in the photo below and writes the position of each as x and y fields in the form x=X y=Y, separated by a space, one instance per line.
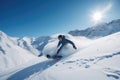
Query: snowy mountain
x=11 y=55
x=96 y=59
x=26 y=43
x=16 y=51
x=34 y=45
x=99 y=30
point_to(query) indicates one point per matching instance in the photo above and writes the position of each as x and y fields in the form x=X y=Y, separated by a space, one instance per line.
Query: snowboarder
x=62 y=42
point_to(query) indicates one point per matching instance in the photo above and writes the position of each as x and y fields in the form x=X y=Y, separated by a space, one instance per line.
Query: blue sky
x=34 y=18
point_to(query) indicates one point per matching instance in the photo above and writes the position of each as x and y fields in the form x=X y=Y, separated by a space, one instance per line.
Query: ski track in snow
x=87 y=63
x=25 y=73
x=112 y=73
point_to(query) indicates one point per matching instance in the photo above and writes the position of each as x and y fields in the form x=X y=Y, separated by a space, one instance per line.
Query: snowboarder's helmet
x=61 y=37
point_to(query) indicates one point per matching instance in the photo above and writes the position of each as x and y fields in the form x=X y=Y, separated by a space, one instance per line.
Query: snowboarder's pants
x=60 y=49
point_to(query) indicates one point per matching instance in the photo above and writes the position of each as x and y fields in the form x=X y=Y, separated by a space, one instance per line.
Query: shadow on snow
x=25 y=73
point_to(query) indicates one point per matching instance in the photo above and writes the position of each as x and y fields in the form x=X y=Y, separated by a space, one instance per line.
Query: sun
x=97 y=16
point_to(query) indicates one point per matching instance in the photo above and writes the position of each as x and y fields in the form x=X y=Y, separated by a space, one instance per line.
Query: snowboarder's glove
x=74 y=47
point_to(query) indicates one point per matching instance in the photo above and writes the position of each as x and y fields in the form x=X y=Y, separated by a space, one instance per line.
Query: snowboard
x=53 y=57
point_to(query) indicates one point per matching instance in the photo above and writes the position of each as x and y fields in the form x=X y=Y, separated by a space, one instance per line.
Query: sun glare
x=97 y=16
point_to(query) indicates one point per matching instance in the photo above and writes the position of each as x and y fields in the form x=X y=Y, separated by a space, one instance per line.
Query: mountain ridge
x=100 y=30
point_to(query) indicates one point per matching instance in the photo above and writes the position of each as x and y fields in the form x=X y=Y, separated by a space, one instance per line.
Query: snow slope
x=11 y=55
x=95 y=60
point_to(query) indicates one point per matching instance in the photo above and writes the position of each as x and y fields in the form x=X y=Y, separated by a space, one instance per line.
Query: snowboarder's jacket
x=63 y=42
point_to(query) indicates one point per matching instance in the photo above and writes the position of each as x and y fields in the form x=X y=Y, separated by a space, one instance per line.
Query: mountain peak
x=2 y=34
